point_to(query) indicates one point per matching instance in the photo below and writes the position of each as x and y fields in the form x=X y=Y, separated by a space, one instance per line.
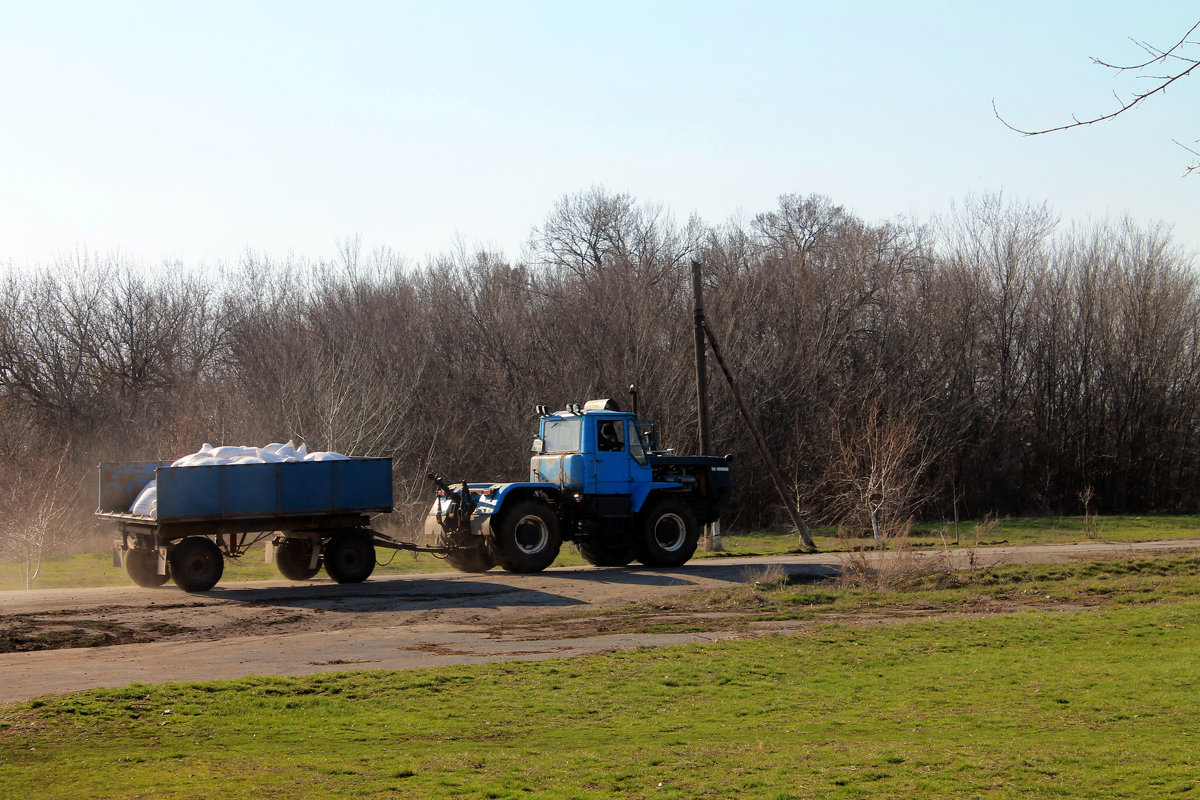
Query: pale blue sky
x=198 y=130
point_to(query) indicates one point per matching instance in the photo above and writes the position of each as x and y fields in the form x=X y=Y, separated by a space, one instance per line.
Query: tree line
x=995 y=361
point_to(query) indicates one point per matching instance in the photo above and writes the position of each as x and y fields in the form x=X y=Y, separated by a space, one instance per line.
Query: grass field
x=1020 y=531
x=96 y=569
x=1091 y=695
x=999 y=589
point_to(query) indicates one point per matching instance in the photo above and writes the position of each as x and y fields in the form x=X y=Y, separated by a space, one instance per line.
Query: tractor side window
x=637 y=445
x=611 y=436
x=561 y=436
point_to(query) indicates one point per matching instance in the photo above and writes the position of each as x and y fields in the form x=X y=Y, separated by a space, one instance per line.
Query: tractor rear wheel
x=606 y=552
x=668 y=535
x=527 y=538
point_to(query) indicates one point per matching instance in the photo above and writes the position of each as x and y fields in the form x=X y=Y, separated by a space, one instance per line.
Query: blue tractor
x=596 y=478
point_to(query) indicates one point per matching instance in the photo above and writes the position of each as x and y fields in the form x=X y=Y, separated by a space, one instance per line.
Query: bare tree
x=877 y=469
x=595 y=230
x=335 y=357
x=37 y=493
x=1163 y=69
x=50 y=322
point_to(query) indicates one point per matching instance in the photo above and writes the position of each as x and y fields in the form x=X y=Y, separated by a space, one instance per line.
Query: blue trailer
x=310 y=513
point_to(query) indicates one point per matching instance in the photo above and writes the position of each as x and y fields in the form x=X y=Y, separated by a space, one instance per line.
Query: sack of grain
x=146 y=504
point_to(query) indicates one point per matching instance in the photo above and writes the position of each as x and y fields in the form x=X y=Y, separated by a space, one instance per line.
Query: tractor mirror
x=538 y=445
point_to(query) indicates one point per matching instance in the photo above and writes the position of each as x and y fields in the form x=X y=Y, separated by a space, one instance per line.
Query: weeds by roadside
x=900 y=566
x=897 y=566
x=769 y=576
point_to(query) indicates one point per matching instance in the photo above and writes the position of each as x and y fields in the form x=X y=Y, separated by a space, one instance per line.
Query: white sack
x=146 y=504
x=325 y=455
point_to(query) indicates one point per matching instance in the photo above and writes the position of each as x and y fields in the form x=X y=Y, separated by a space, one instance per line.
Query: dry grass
x=769 y=576
x=898 y=566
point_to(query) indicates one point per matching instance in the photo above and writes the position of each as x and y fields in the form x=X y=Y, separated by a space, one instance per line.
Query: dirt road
x=69 y=640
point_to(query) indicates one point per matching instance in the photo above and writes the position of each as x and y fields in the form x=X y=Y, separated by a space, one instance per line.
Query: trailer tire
x=602 y=552
x=293 y=556
x=350 y=557
x=527 y=538
x=196 y=564
x=668 y=535
x=142 y=568
x=477 y=558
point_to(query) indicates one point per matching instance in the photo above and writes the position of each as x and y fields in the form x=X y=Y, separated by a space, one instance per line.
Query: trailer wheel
x=350 y=557
x=196 y=564
x=293 y=556
x=477 y=558
x=668 y=535
x=142 y=568
x=527 y=539
x=602 y=552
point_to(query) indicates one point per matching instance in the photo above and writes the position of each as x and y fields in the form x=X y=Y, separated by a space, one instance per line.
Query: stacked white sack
x=146 y=504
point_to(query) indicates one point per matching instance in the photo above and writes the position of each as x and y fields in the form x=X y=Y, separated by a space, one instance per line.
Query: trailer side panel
x=232 y=491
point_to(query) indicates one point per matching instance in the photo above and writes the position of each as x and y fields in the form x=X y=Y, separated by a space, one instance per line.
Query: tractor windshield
x=561 y=435
x=637 y=446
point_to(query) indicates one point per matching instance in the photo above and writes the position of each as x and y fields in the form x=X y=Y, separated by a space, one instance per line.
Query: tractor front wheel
x=527 y=538
x=475 y=558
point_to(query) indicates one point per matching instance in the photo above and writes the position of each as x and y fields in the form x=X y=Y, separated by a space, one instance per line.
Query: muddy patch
x=20 y=634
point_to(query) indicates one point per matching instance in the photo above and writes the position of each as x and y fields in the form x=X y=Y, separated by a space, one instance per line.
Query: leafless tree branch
x=1185 y=66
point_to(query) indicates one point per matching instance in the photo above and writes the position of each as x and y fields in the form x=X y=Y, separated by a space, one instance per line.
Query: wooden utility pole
x=793 y=511
x=712 y=533
x=701 y=371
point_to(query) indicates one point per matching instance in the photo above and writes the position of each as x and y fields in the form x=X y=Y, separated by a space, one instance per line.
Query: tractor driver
x=610 y=439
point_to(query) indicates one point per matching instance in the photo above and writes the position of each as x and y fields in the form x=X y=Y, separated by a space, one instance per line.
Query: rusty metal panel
x=121 y=483
x=564 y=471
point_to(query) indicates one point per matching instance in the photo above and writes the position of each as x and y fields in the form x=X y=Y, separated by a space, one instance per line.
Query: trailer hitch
x=457 y=519
x=383 y=540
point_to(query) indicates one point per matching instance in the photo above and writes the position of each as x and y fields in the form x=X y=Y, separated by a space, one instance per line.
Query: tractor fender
x=644 y=493
x=505 y=494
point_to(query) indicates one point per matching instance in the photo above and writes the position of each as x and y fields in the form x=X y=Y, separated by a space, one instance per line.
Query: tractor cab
x=594 y=449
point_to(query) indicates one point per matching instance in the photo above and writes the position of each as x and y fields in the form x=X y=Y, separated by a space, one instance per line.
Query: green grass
x=1085 y=704
x=1128 y=581
x=95 y=569
x=931 y=591
x=1020 y=531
